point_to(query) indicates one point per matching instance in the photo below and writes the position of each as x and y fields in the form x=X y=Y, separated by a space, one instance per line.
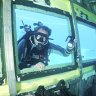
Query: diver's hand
x=40 y=66
x=71 y=44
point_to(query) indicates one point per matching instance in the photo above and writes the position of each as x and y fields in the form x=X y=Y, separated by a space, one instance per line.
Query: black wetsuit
x=30 y=55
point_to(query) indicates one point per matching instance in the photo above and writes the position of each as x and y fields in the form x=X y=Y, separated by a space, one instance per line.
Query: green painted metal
x=79 y=9
x=31 y=85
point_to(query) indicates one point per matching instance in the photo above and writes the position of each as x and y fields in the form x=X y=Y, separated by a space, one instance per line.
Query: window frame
x=31 y=75
x=86 y=63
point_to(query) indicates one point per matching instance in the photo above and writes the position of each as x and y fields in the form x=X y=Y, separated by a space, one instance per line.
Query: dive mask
x=42 y=38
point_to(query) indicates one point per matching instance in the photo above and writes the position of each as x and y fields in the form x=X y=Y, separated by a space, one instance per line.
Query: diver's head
x=41 y=36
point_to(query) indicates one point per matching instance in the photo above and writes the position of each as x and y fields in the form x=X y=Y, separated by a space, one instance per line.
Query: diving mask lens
x=43 y=38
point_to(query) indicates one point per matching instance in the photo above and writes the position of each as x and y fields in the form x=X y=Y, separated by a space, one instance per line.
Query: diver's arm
x=61 y=50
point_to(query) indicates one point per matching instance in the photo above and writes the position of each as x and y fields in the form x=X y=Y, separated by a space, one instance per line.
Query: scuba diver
x=34 y=47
